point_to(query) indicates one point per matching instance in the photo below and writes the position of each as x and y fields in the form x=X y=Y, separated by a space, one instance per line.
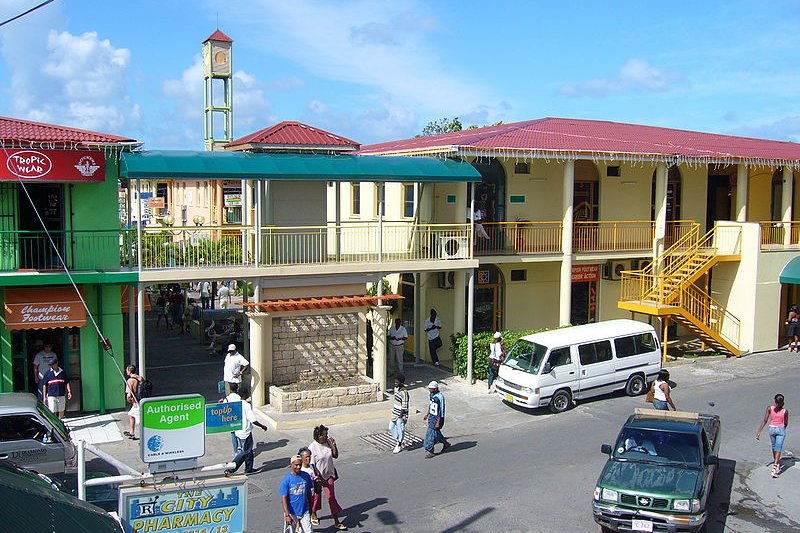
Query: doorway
x=584 y=303
x=718 y=203
x=46 y=201
x=488 y=315
x=490 y=199
x=65 y=342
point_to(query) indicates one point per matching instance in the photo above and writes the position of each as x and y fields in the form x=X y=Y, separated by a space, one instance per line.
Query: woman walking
x=496 y=354
x=778 y=417
x=793 y=328
x=662 y=392
x=323 y=452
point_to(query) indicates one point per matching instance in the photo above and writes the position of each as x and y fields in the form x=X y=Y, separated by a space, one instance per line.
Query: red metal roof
x=219 y=36
x=14 y=130
x=328 y=302
x=295 y=134
x=573 y=136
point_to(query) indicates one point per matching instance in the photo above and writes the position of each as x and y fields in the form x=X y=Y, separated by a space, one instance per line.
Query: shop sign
x=40 y=308
x=581 y=273
x=233 y=200
x=173 y=428
x=211 y=505
x=156 y=202
x=52 y=165
x=223 y=417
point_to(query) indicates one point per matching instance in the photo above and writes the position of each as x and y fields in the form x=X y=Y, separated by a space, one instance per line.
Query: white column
x=787 y=191
x=459 y=305
x=419 y=330
x=380 y=327
x=470 y=316
x=260 y=341
x=133 y=296
x=660 y=213
x=140 y=326
x=741 y=193
x=338 y=218
x=565 y=284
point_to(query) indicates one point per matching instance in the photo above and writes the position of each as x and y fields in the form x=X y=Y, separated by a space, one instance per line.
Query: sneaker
x=229 y=471
x=436 y=363
x=397 y=449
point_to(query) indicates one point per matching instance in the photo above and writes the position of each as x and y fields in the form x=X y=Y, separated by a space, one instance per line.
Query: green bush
x=480 y=350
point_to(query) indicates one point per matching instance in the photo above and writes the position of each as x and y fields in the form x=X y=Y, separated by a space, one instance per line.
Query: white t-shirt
x=322 y=457
x=41 y=359
x=434 y=332
x=658 y=392
x=248 y=417
x=496 y=350
x=205 y=288
x=400 y=333
x=233 y=366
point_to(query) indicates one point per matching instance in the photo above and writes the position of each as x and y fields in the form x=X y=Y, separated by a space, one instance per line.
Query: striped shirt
x=400 y=407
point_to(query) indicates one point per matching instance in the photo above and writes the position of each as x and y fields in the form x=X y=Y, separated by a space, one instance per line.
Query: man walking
x=233 y=397
x=296 y=492
x=55 y=388
x=435 y=418
x=397 y=426
x=41 y=366
x=397 y=342
x=234 y=365
x=244 y=438
x=205 y=294
x=131 y=387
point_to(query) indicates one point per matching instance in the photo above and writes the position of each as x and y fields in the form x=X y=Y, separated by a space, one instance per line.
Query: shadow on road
x=719 y=500
x=356 y=515
x=463 y=445
x=464 y=524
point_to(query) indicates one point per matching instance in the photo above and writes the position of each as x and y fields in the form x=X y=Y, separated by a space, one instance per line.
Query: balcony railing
x=776 y=234
x=80 y=250
x=518 y=238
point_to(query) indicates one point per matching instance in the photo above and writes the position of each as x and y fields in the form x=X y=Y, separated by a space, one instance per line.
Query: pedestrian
x=477 y=217
x=793 y=328
x=662 y=391
x=131 y=387
x=497 y=353
x=296 y=492
x=55 y=388
x=161 y=309
x=41 y=366
x=778 y=417
x=232 y=369
x=435 y=418
x=233 y=396
x=168 y=297
x=397 y=344
x=178 y=301
x=309 y=468
x=397 y=426
x=244 y=438
x=205 y=294
x=323 y=452
x=432 y=326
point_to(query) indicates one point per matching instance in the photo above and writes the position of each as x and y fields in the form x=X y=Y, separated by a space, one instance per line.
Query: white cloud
x=289 y=83
x=779 y=129
x=635 y=74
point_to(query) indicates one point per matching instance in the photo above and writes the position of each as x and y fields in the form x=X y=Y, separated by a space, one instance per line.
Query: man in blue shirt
x=435 y=418
x=55 y=388
x=296 y=492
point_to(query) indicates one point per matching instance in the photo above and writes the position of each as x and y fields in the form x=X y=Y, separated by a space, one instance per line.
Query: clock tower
x=218 y=92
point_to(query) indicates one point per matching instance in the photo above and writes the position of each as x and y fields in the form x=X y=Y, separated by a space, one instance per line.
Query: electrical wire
x=31 y=10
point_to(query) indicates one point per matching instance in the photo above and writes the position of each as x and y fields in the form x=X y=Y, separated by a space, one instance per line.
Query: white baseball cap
x=231 y=347
x=497 y=335
x=433 y=385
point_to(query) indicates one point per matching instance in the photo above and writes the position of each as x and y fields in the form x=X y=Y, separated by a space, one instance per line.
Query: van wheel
x=561 y=401
x=636 y=385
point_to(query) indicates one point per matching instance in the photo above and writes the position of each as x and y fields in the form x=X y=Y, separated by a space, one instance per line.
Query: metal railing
x=520 y=237
x=192 y=246
x=80 y=250
x=776 y=233
x=710 y=313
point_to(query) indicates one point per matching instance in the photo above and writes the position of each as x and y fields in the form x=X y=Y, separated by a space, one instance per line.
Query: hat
x=296 y=458
x=231 y=347
x=433 y=385
x=52 y=361
x=497 y=335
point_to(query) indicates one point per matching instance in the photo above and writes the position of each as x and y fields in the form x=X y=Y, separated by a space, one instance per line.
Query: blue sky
x=378 y=70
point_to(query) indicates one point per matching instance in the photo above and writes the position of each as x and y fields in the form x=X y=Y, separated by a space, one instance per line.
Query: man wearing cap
x=296 y=491
x=435 y=418
x=40 y=366
x=234 y=365
x=55 y=388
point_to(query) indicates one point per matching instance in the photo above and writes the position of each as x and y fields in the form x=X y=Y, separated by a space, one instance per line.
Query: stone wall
x=314 y=347
x=295 y=401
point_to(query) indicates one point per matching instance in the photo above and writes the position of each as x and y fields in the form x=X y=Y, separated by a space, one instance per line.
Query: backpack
x=144 y=388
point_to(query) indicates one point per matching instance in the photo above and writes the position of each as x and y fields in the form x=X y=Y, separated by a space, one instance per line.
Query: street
x=510 y=470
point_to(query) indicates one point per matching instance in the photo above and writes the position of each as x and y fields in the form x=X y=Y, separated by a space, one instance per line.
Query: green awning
x=791 y=272
x=322 y=167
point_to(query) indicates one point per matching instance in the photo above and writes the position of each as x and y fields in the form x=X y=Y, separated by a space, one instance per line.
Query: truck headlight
x=686 y=505
x=597 y=491
x=609 y=495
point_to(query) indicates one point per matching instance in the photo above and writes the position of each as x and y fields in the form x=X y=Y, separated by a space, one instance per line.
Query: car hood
x=667 y=481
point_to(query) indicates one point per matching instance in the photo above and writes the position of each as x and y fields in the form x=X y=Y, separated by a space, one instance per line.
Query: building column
x=787 y=192
x=419 y=320
x=741 y=193
x=132 y=293
x=380 y=328
x=470 y=321
x=140 y=293
x=260 y=325
x=363 y=357
x=565 y=284
x=459 y=305
x=660 y=208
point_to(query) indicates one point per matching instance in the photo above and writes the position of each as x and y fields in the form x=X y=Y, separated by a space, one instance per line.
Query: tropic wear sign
x=173 y=428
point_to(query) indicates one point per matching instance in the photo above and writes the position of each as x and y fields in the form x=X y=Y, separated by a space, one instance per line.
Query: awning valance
x=321 y=167
x=43 y=307
x=791 y=272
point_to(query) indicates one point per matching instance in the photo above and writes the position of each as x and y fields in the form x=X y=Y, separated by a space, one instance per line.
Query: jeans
x=244 y=453
x=432 y=437
x=776 y=436
x=493 y=371
x=397 y=428
x=661 y=404
x=433 y=346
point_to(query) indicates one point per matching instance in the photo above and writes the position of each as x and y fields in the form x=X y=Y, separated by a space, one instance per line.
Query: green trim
x=312 y=167
x=20 y=279
x=451 y=198
x=100 y=351
x=791 y=272
x=516 y=199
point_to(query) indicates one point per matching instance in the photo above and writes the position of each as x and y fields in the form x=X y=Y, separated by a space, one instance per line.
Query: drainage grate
x=384 y=441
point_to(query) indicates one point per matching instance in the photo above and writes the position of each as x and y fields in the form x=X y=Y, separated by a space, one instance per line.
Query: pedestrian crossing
x=385 y=442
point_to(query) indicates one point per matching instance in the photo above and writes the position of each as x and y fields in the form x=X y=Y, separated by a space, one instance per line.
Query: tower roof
x=291 y=135
x=219 y=36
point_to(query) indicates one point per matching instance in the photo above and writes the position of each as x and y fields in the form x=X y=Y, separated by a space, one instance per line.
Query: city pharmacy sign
x=173 y=428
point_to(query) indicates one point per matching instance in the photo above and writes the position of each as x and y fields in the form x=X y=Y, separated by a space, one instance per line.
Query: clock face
x=220 y=60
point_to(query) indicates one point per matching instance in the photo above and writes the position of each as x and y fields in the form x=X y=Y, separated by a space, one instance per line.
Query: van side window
x=635 y=344
x=22 y=427
x=595 y=352
x=559 y=357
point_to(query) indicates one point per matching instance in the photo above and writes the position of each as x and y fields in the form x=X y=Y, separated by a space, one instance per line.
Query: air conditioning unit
x=447 y=280
x=613 y=269
x=640 y=264
x=454 y=247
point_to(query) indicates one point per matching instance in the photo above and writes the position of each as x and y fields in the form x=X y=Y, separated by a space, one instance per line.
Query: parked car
x=659 y=473
x=554 y=368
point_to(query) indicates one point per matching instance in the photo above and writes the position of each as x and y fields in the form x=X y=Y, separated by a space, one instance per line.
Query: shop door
x=9 y=237
x=45 y=201
x=487 y=314
x=584 y=303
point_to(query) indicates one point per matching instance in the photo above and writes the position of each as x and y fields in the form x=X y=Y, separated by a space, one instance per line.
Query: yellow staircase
x=667 y=288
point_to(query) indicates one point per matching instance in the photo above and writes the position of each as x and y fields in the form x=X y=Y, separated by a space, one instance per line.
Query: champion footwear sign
x=173 y=428
x=52 y=165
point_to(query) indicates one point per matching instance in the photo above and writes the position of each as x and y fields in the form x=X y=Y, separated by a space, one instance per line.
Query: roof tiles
x=219 y=36
x=296 y=134
x=15 y=130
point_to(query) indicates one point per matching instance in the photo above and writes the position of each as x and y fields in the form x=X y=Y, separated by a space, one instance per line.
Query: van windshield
x=526 y=356
x=59 y=426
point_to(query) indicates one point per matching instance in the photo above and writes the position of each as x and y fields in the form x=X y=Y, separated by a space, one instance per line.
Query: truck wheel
x=561 y=401
x=636 y=385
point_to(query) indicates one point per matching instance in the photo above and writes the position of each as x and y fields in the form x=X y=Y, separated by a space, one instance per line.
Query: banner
x=43 y=307
x=581 y=273
x=173 y=428
x=52 y=165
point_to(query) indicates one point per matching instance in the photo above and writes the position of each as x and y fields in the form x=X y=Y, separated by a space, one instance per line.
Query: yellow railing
x=518 y=238
x=710 y=313
x=775 y=233
x=613 y=236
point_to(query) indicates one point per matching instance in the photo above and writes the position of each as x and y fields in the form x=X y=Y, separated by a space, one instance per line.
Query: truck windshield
x=59 y=426
x=526 y=356
x=666 y=447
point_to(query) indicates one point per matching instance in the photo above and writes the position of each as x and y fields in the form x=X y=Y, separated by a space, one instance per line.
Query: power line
x=31 y=10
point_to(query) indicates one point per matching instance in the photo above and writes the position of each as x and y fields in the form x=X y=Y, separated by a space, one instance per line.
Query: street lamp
x=169 y=220
x=198 y=220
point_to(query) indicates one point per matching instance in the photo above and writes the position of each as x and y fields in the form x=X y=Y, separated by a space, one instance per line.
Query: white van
x=555 y=367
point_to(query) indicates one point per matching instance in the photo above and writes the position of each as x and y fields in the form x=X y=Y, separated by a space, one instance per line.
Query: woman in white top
x=496 y=354
x=323 y=452
x=662 y=399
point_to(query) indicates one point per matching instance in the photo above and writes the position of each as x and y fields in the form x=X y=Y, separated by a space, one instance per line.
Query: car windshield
x=54 y=421
x=526 y=356
x=636 y=444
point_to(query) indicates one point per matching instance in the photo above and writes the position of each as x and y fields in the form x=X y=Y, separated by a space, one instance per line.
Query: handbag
x=651 y=393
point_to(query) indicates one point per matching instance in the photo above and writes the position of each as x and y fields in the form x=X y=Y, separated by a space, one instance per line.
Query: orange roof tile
x=327 y=302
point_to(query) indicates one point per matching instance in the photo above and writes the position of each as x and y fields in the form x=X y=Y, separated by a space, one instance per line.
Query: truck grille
x=643 y=501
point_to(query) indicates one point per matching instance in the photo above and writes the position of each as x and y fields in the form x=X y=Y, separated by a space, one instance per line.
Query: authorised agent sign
x=173 y=428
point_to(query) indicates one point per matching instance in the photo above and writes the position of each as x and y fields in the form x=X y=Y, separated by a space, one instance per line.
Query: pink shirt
x=777 y=419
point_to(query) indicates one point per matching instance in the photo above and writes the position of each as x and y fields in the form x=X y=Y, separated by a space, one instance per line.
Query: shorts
x=302 y=523
x=134 y=412
x=793 y=330
x=776 y=436
x=57 y=404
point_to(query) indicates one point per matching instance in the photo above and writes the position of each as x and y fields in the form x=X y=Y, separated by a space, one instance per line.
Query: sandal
x=126 y=433
x=340 y=527
x=314 y=521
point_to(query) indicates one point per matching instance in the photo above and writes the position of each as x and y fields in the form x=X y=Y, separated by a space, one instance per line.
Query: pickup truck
x=659 y=473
